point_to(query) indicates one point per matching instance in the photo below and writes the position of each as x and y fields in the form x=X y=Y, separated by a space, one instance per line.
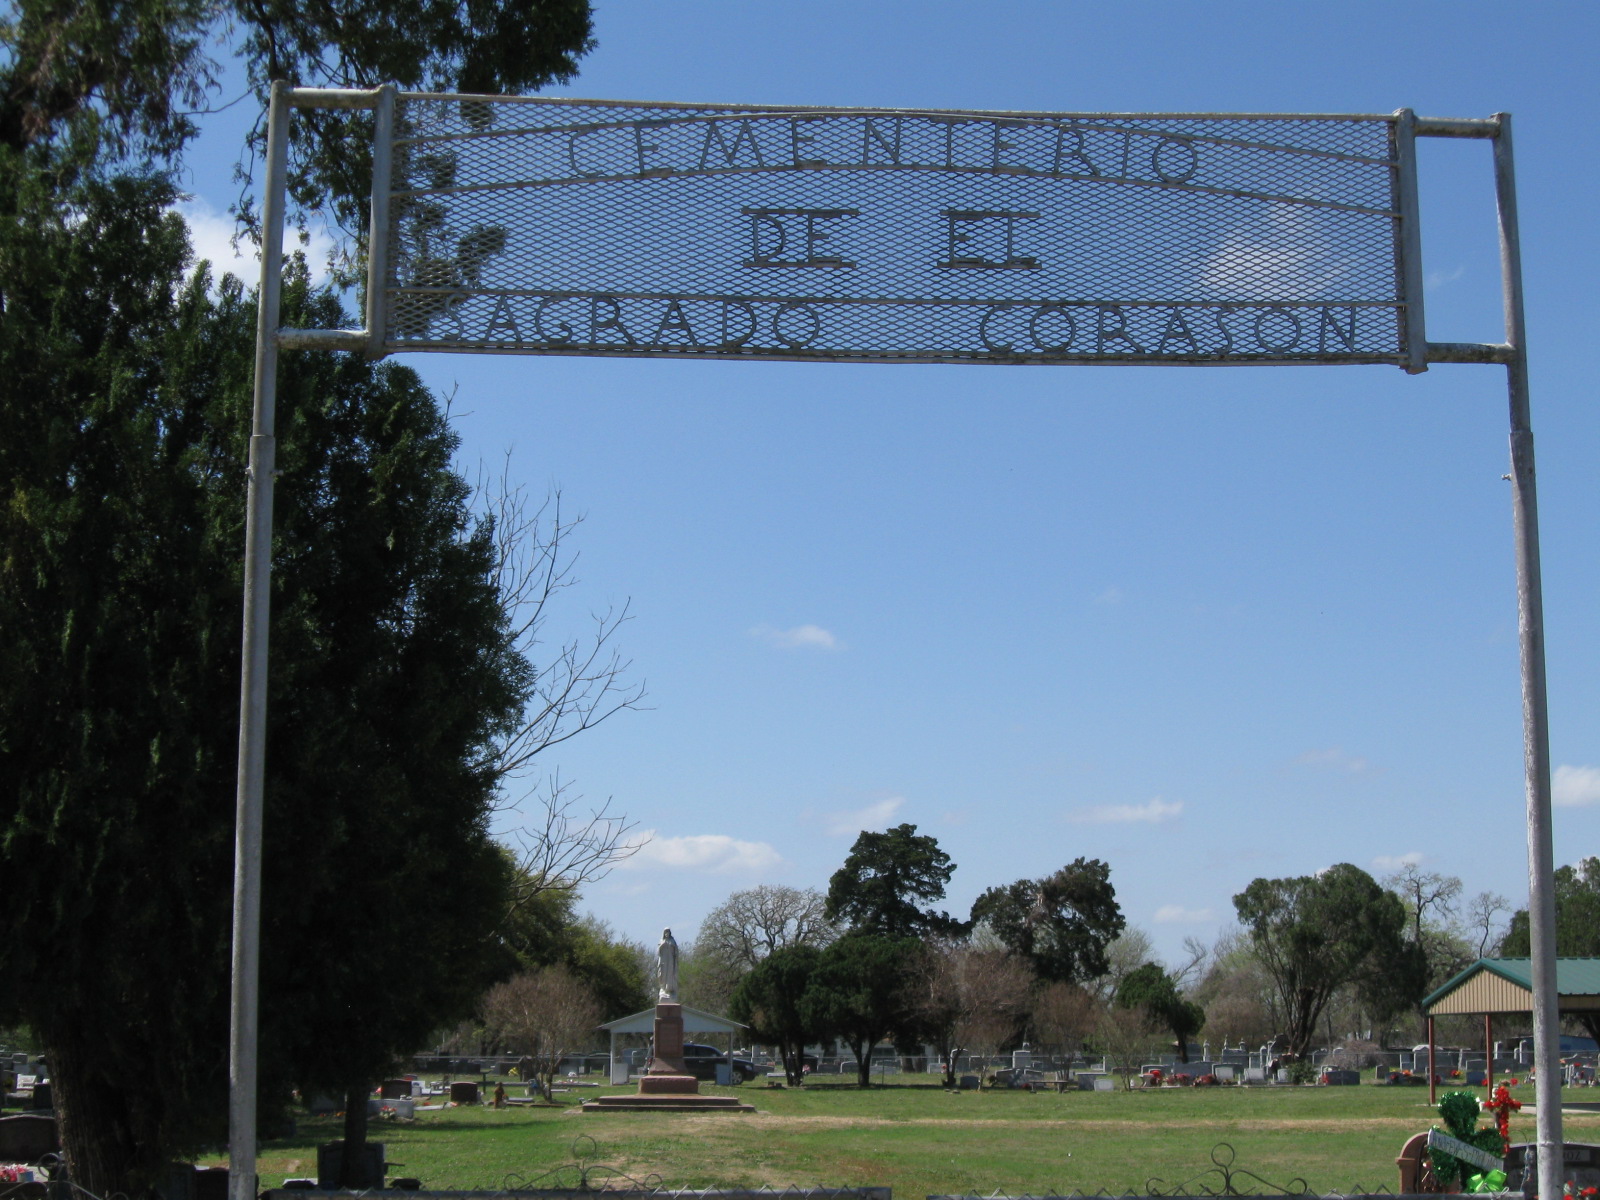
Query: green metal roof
x=1574 y=976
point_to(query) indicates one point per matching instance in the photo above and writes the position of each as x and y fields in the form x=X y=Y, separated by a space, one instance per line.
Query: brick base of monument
x=666 y=1087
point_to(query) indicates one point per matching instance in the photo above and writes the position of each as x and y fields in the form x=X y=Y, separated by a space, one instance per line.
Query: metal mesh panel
x=584 y=227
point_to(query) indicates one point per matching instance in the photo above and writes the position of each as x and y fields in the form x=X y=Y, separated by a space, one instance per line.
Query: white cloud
x=801 y=637
x=710 y=852
x=876 y=815
x=1289 y=254
x=211 y=234
x=1176 y=914
x=1575 y=787
x=1439 y=279
x=1154 y=811
x=1112 y=595
x=1396 y=862
x=1334 y=759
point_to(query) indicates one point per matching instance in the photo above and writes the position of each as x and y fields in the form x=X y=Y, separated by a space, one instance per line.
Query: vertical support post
x=1410 y=264
x=1535 y=716
x=244 y=1022
x=1432 y=1076
x=1488 y=1053
x=378 y=231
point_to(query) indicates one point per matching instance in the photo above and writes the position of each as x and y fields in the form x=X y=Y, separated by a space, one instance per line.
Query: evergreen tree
x=886 y=874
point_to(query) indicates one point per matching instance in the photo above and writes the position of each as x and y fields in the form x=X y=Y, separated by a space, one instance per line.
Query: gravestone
x=463 y=1092
x=28 y=1137
x=1580 y=1166
x=393 y=1089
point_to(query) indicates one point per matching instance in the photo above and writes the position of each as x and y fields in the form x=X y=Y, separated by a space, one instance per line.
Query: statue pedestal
x=666 y=1086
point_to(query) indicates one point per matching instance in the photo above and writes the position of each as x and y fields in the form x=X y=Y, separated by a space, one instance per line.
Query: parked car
x=701 y=1062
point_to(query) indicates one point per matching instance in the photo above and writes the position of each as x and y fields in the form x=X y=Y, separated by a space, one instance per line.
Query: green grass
x=921 y=1140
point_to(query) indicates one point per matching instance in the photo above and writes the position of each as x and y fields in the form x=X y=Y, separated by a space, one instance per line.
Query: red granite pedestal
x=666 y=1086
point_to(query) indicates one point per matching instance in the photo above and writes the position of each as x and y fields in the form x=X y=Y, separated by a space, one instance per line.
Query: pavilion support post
x=1432 y=1074
x=1488 y=1053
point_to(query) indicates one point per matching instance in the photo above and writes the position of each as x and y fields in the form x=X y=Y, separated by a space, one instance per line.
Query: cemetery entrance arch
x=556 y=226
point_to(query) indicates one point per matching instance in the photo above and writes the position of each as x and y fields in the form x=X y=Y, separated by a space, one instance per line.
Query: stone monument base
x=668 y=1102
x=666 y=1087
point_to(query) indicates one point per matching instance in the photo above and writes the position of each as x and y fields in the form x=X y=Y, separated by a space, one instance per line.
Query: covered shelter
x=695 y=1020
x=1498 y=986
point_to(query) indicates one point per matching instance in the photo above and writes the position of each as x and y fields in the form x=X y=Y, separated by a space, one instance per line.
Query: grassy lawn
x=921 y=1140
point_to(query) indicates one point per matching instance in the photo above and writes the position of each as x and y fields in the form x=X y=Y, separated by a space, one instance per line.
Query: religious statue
x=667 y=966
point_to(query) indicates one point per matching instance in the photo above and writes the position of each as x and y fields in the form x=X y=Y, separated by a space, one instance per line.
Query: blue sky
x=1203 y=624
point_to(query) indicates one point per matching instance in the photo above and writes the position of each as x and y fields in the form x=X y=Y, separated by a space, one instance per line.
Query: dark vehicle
x=701 y=1062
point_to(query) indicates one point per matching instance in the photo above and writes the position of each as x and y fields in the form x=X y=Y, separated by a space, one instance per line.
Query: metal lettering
x=1077 y=154
x=572 y=154
x=983 y=329
x=957 y=217
x=870 y=133
x=674 y=320
x=642 y=148
x=796 y=138
x=796 y=306
x=1043 y=311
x=1261 y=337
x=730 y=342
x=502 y=319
x=562 y=338
x=1188 y=148
x=730 y=156
x=771 y=220
x=614 y=321
x=1326 y=325
x=1227 y=334
x=1177 y=330
x=998 y=146
x=1117 y=333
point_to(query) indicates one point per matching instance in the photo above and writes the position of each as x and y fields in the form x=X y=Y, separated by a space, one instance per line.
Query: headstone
x=393 y=1089
x=323 y=1106
x=463 y=1091
x=1580 y=1165
x=1224 y=1074
x=369 y=1171
x=968 y=1083
x=1255 y=1074
x=1105 y=1085
x=27 y=1138
x=1339 y=1077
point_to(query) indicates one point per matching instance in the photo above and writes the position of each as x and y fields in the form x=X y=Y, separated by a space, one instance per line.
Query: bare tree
x=543 y=1016
x=970 y=999
x=1063 y=1015
x=1237 y=993
x=1126 y=1036
x=706 y=979
x=751 y=924
x=1483 y=919
x=1422 y=890
x=1130 y=951
x=572 y=686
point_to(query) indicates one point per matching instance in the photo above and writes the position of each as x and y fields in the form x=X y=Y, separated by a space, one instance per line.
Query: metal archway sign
x=508 y=225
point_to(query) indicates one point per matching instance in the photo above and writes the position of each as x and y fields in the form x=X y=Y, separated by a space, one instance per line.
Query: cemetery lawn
x=921 y=1140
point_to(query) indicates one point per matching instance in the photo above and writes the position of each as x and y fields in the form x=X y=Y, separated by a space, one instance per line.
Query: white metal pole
x=1535 y=717
x=253 y=681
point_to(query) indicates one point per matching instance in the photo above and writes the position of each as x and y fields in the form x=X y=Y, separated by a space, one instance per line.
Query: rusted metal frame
x=1433 y=1073
x=834 y=168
